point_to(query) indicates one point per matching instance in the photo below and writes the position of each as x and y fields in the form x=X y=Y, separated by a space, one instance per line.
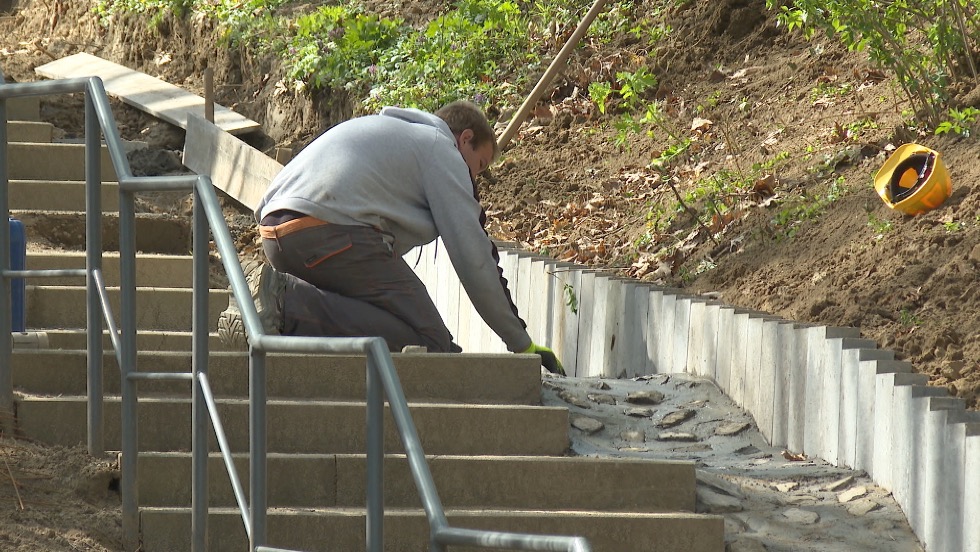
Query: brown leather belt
x=287 y=228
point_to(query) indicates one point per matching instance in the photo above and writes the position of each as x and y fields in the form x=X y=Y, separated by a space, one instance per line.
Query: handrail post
x=6 y=348
x=257 y=446
x=199 y=365
x=375 y=456
x=93 y=262
x=130 y=426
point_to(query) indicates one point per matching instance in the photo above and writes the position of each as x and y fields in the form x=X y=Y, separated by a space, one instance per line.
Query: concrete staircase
x=498 y=457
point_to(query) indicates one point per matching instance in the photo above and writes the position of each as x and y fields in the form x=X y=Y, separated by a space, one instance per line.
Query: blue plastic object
x=18 y=288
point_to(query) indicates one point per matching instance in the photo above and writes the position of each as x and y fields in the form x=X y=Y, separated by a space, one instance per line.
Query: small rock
x=587 y=425
x=805 y=517
x=862 y=507
x=676 y=436
x=645 y=397
x=575 y=399
x=675 y=418
x=633 y=436
x=710 y=502
x=731 y=428
x=839 y=484
x=851 y=494
x=745 y=544
x=602 y=398
x=638 y=412
x=601 y=385
x=786 y=487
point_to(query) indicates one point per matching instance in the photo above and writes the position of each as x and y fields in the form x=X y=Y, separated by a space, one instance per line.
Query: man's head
x=475 y=138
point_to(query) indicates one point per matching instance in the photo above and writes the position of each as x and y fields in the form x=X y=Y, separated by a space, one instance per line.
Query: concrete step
x=52 y=161
x=29 y=131
x=59 y=195
x=26 y=108
x=154 y=233
x=166 y=529
x=310 y=427
x=493 y=482
x=443 y=377
x=156 y=308
x=152 y=270
x=146 y=340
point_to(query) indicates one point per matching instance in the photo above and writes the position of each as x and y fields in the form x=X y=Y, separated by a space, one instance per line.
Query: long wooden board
x=150 y=94
x=235 y=167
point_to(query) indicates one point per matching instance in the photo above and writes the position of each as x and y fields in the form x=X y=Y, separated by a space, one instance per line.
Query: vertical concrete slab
x=696 y=337
x=565 y=314
x=522 y=295
x=726 y=342
x=608 y=301
x=784 y=364
x=823 y=390
x=949 y=528
x=655 y=329
x=737 y=367
x=853 y=353
x=867 y=404
x=707 y=361
x=752 y=386
x=908 y=411
x=971 y=499
x=540 y=306
x=771 y=381
x=666 y=348
x=796 y=386
x=928 y=487
x=587 y=312
x=680 y=350
x=632 y=354
x=886 y=429
x=832 y=393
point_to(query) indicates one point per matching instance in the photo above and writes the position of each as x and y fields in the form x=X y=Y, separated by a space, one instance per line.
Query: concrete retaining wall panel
x=796 y=401
x=681 y=334
x=886 y=387
x=770 y=383
x=928 y=488
x=784 y=333
x=586 y=327
x=656 y=321
x=971 y=500
x=696 y=337
x=632 y=354
x=565 y=308
x=852 y=351
x=867 y=403
x=726 y=342
x=539 y=309
x=606 y=323
x=706 y=355
x=666 y=362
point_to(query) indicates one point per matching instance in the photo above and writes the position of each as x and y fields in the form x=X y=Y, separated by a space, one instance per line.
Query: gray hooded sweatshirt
x=400 y=172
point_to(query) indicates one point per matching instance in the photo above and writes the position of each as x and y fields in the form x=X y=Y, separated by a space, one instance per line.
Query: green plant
x=960 y=121
x=571 y=300
x=953 y=226
x=879 y=226
x=908 y=318
x=928 y=45
x=599 y=92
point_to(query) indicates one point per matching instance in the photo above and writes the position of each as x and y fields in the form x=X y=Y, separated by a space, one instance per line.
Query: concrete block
x=540 y=306
x=606 y=324
x=867 y=403
x=737 y=368
x=696 y=336
x=753 y=383
x=781 y=334
x=770 y=384
x=655 y=329
x=706 y=357
x=853 y=353
x=832 y=393
x=928 y=482
x=823 y=390
x=667 y=313
x=796 y=372
x=885 y=426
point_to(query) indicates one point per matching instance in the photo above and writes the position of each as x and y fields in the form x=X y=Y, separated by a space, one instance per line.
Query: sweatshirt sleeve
x=457 y=215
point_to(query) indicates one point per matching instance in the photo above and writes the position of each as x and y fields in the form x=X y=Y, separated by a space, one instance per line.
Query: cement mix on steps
x=772 y=499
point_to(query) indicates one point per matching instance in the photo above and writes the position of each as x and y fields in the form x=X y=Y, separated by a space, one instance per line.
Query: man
x=337 y=219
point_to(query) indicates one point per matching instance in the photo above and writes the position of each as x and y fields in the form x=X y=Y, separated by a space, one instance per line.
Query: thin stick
x=13 y=482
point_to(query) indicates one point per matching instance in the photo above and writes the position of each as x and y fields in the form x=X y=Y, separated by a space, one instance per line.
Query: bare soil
x=742 y=89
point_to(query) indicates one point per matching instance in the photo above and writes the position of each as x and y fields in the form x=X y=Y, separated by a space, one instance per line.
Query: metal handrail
x=382 y=379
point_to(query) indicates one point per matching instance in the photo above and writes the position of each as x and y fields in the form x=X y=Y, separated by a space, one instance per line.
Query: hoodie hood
x=418 y=116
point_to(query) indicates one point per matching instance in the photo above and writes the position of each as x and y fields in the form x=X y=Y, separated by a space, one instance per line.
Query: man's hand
x=548 y=359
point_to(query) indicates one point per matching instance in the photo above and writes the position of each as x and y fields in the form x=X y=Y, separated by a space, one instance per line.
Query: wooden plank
x=235 y=167
x=150 y=94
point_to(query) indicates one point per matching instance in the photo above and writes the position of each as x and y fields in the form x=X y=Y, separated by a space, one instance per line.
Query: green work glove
x=548 y=358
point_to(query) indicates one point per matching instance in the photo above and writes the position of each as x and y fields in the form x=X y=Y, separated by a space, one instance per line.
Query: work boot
x=266 y=286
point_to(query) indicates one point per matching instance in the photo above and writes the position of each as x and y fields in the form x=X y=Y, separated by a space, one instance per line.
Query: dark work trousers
x=348 y=283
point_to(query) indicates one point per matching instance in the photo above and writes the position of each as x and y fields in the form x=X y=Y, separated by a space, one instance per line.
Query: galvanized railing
x=382 y=379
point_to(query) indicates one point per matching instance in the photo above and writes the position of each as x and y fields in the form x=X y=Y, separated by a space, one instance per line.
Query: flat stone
x=851 y=494
x=645 y=397
x=602 y=385
x=805 y=517
x=639 y=412
x=862 y=507
x=746 y=544
x=839 y=484
x=676 y=436
x=602 y=398
x=633 y=436
x=711 y=502
x=575 y=399
x=675 y=418
x=786 y=487
x=587 y=425
x=731 y=428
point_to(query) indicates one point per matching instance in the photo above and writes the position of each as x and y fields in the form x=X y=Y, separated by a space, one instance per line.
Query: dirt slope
x=564 y=186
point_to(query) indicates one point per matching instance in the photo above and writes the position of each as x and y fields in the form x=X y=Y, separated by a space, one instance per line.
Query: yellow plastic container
x=913 y=180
